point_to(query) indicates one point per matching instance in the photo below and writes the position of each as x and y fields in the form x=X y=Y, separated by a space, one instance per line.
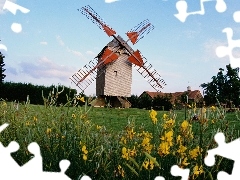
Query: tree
x=224 y=87
x=145 y=101
x=162 y=103
x=2 y=76
x=134 y=101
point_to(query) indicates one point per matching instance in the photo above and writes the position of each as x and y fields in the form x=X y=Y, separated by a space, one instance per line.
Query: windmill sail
x=139 y=31
x=150 y=75
x=85 y=76
x=96 y=19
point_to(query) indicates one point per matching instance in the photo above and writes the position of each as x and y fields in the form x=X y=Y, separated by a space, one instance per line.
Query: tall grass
x=107 y=143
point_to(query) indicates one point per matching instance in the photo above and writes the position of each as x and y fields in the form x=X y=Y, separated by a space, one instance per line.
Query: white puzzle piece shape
x=228 y=150
x=182 y=8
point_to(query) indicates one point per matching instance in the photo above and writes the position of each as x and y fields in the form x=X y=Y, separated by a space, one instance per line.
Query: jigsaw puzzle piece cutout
x=35 y=164
x=8 y=165
x=223 y=51
x=12 y=7
x=182 y=7
x=85 y=178
x=228 y=150
x=159 y=178
x=221 y=6
x=223 y=176
x=64 y=164
x=177 y=171
x=5 y=125
x=236 y=16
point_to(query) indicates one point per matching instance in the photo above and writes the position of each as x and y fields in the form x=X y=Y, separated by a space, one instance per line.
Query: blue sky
x=56 y=40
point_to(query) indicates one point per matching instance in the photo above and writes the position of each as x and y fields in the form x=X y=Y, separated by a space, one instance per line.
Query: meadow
x=107 y=143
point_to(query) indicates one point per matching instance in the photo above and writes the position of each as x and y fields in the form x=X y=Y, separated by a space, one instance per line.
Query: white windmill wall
x=117 y=79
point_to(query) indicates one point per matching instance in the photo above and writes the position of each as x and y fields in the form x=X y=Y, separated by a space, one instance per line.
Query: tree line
x=19 y=92
x=145 y=101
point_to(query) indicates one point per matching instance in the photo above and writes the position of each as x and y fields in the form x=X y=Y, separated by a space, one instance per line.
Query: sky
x=56 y=40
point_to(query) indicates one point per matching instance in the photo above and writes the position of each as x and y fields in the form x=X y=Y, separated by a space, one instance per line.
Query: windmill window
x=115 y=72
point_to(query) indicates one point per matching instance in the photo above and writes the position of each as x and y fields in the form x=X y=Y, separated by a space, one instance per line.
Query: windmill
x=112 y=67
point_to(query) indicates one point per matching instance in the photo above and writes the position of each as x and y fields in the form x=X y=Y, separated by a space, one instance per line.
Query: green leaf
x=152 y=159
x=132 y=169
x=134 y=162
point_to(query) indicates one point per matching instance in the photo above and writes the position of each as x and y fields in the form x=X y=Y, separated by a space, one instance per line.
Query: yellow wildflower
x=197 y=170
x=125 y=154
x=165 y=116
x=181 y=150
x=27 y=123
x=34 y=119
x=153 y=115
x=168 y=137
x=49 y=130
x=133 y=152
x=121 y=171
x=145 y=164
x=74 y=116
x=184 y=125
x=164 y=149
x=85 y=152
x=130 y=133
x=145 y=141
x=99 y=127
x=148 y=164
x=84 y=157
x=195 y=152
x=213 y=108
x=81 y=99
x=124 y=140
x=184 y=162
x=84 y=149
x=169 y=124
x=179 y=139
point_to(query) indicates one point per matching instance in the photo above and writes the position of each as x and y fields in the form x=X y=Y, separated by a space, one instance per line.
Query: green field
x=107 y=143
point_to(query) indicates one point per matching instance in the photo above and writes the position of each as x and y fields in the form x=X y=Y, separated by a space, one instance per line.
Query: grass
x=101 y=134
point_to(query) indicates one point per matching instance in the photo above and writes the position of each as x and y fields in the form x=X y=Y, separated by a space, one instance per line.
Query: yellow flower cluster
x=130 y=133
x=49 y=130
x=85 y=152
x=126 y=153
x=147 y=146
x=121 y=171
x=169 y=124
x=195 y=153
x=166 y=143
x=153 y=115
x=186 y=130
x=148 y=164
x=197 y=170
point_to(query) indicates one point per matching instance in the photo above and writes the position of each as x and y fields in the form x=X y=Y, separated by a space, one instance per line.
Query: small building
x=179 y=98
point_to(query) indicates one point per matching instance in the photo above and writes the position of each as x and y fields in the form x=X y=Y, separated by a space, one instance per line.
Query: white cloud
x=110 y=1
x=45 y=68
x=43 y=43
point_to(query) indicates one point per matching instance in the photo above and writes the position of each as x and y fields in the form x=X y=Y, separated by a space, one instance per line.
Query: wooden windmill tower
x=112 y=68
